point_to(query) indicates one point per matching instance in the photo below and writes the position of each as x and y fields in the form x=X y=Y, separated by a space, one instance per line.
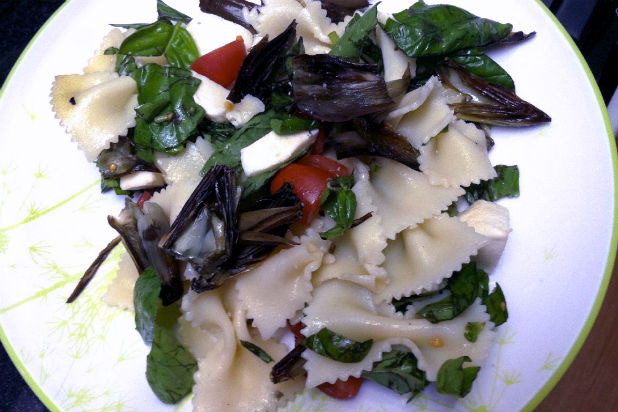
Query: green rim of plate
x=596 y=307
x=555 y=378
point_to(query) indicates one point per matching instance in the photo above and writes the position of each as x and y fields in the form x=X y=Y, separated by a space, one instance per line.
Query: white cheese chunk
x=273 y=150
x=141 y=180
x=244 y=111
x=212 y=97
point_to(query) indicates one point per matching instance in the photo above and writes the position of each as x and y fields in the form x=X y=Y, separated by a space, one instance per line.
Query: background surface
x=590 y=382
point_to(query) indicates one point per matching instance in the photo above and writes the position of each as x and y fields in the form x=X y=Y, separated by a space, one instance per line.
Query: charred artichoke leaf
x=290 y=366
x=504 y=109
x=230 y=10
x=376 y=140
x=92 y=269
x=259 y=238
x=332 y=89
x=117 y=160
x=338 y=12
x=126 y=226
x=261 y=64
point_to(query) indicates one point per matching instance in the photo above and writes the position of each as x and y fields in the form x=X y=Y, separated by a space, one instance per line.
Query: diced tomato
x=318 y=146
x=296 y=328
x=342 y=389
x=223 y=64
x=143 y=198
x=308 y=184
x=333 y=167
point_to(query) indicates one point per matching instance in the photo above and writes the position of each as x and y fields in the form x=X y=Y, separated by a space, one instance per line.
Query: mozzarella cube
x=273 y=150
x=244 y=111
x=212 y=97
x=141 y=180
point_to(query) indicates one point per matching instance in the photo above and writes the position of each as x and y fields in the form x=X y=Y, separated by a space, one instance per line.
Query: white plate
x=87 y=356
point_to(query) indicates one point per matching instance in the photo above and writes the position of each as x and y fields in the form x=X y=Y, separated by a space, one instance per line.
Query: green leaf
x=496 y=306
x=109 y=184
x=167 y=114
x=150 y=40
x=455 y=380
x=111 y=51
x=339 y=202
x=398 y=371
x=350 y=43
x=169 y=367
x=328 y=343
x=227 y=152
x=473 y=329
x=146 y=301
x=125 y=66
x=424 y=30
x=166 y=12
x=256 y=350
x=482 y=65
x=465 y=286
x=506 y=184
x=181 y=50
x=290 y=124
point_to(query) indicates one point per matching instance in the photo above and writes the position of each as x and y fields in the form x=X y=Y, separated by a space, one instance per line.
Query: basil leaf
x=216 y=132
x=166 y=12
x=227 y=152
x=150 y=40
x=169 y=367
x=126 y=66
x=398 y=371
x=465 y=286
x=455 y=380
x=482 y=65
x=472 y=330
x=181 y=50
x=167 y=114
x=506 y=184
x=290 y=124
x=146 y=301
x=109 y=184
x=350 y=43
x=424 y=30
x=111 y=51
x=339 y=202
x=401 y=305
x=496 y=306
x=256 y=350
x=331 y=345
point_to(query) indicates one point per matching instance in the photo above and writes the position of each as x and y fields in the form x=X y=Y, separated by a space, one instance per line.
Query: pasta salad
x=318 y=170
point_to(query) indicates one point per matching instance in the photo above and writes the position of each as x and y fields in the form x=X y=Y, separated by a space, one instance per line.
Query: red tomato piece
x=333 y=167
x=296 y=328
x=308 y=184
x=223 y=64
x=318 y=146
x=143 y=198
x=342 y=389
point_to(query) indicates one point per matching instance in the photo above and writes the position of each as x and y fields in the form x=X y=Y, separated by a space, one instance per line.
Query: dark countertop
x=590 y=382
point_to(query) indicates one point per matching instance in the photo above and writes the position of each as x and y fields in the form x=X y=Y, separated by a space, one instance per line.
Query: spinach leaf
x=496 y=306
x=109 y=184
x=169 y=367
x=472 y=330
x=290 y=124
x=339 y=202
x=398 y=371
x=350 y=43
x=166 y=12
x=257 y=351
x=150 y=40
x=424 y=30
x=482 y=65
x=401 y=305
x=465 y=286
x=506 y=184
x=455 y=380
x=181 y=50
x=216 y=132
x=227 y=152
x=167 y=114
x=146 y=301
x=328 y=343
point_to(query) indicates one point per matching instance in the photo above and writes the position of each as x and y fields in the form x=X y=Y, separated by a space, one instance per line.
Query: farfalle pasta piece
x=96 y=108
x=312 y=24
x=422 y=113
x=419 y=259
x=279 y=287
x=120 y=291
x=457 y=157
x=404 y=197
x=229 y=377
x=350 y=310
